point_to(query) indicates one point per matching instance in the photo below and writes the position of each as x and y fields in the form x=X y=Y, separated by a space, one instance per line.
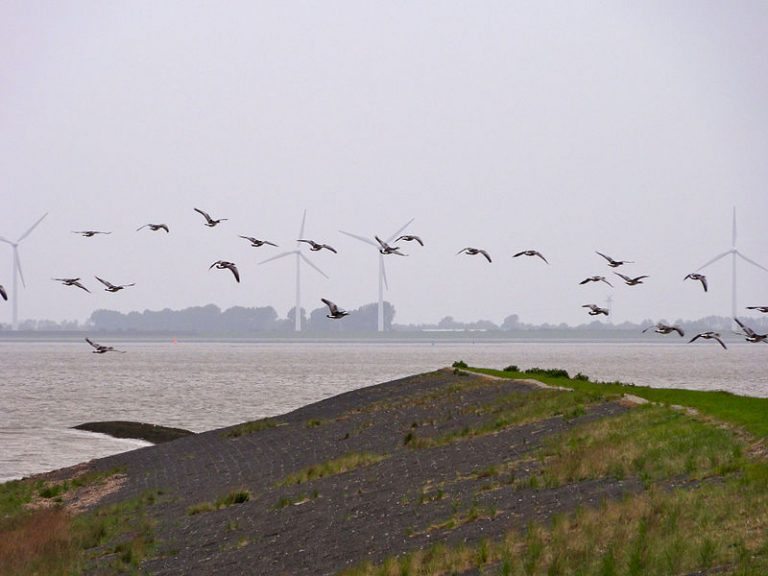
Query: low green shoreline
x=748 y=412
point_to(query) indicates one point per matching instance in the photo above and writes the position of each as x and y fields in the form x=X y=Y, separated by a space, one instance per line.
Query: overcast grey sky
x=626 y=127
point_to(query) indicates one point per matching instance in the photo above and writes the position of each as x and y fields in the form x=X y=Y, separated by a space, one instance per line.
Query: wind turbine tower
x=733 y=252
x=382 y=270
x=299 y=257
x=17 y=273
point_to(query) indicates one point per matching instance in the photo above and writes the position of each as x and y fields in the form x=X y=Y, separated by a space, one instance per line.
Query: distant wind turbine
x=382 y=271
x=17 y=270
x=299 y=258
x=733 y=252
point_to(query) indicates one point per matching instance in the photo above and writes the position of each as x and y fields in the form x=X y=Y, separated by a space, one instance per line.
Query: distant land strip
x=135 y=430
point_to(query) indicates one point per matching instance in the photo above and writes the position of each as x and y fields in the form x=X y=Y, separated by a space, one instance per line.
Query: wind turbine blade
x=361 y=238
x=715 y=259
x=281 y=255
x=396 y=234
x=303 y=221
x=308 y=261
x=18 y=265
x=383 y=271
x=6 y=241
x=751 y=261
x=28 y=232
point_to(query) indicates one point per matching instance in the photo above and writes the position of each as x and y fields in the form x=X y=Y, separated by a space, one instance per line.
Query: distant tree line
x=239 y=320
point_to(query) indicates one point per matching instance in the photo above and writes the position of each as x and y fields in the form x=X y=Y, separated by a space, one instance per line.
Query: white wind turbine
x=17 y=270
x=382 y=271
x=299 y=258
x=733 y=252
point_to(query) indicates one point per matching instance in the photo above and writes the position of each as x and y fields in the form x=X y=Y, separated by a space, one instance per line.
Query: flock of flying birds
x=336 y=313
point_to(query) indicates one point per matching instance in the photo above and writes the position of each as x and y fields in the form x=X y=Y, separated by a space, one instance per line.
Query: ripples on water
x=46 y=388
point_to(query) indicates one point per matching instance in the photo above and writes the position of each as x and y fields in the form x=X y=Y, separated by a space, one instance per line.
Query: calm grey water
x=45 y=388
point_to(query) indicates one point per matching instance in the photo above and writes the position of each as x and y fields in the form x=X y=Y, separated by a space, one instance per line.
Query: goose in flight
x=763 y=309
x=614 y=263
x=154 y=227
x=385 y=248
x=112 y=287
x=662 y=328
x=71 y=282
x=750 y=335
x=595 y=310
x=631 y=281
x=700 y=277
x=89 y=233
x=474 y=252
x=210 y=222
x=530 y=253
x=410 y=238
x=336 y=313
x=3 y=293
x=257 y=243
x=596 y=279
x=709 y=335
x=223 y=264
x=315 y=247
x=101 y=349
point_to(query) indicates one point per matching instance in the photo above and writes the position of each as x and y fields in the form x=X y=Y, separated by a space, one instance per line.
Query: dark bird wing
x=540 y=255
x=3 y=293
x=721 y=342
x=694 y=338
x=611 y=260
x=331 y=248
x=250 y=239
x=92 y=343
x=235 y=272
x=164 y=227
x=140 y=227
x=409 y=237
x=487 y=256
x=678 y=330
x=384 y=245
x=747 y=330
x=704 y=282
x=518 y=254
x=623 y=277
x=331 y=306
x=76 y=283
x=107 y=284
x=270 y=243
x=205 y=215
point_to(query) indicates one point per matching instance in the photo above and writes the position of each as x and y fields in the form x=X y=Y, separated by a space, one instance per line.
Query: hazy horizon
x=629 y=129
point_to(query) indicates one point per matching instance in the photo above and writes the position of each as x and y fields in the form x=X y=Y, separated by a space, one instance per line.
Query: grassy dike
x=701 y=457
x=466 y=471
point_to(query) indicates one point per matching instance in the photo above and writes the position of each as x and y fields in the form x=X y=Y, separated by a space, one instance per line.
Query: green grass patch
x=742 y=411
x=296 y=499
x=230 y=499
x=651 y=442
x=513 y=409
x=345 y=463
x=251 y=427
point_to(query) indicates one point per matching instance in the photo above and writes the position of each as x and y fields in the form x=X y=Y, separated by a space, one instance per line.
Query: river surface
x=48 y=387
